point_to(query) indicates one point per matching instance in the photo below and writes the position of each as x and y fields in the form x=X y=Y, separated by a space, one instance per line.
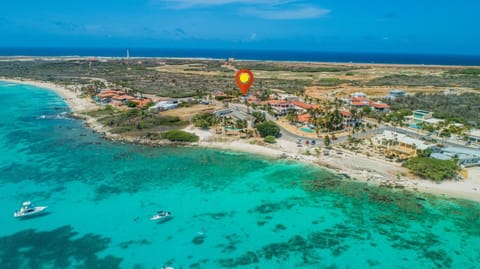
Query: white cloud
x=292 y=13
x=182 y=4
x=267 y=9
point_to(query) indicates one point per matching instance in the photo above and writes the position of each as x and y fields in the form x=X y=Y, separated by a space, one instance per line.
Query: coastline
x=340 y=63
x=356 y=167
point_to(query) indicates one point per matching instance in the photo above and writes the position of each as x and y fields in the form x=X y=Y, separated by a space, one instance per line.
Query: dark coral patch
x=56 y=249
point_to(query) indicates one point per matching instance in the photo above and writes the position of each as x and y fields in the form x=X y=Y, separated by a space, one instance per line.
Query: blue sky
x=411 y=26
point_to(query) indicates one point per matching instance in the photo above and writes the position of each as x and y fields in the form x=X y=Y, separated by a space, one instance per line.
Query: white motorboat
x=162 y=216
x=28 y=210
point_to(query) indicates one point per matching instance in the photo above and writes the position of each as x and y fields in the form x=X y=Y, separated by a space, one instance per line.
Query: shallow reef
x=55 y=249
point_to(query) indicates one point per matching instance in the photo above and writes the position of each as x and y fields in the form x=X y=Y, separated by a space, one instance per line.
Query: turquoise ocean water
x=232 y=210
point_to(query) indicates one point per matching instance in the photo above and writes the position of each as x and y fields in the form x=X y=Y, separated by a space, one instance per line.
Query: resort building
x=231 y=114
x=301 y=106
x=421 y=116
x=348 y=120
x=465 y=157
x=280 y=107
x=474 y=136
x=119 y=98
x=398 y=145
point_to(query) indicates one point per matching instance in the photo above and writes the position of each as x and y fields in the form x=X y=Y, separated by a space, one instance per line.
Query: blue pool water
x=232 y=210
x=306 y=129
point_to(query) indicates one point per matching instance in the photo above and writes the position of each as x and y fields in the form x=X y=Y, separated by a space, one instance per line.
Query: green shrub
x=268 y=128
x=180 y=136
x=204 y=120
x=131 y=104
x=270 y=139
x=437 y=170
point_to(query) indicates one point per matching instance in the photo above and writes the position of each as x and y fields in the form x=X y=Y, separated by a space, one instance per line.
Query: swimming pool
x=306 y=130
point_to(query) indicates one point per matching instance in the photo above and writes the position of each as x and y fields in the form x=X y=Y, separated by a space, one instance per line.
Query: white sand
x=75 y=103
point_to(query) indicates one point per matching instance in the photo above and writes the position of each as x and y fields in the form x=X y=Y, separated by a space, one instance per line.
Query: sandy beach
x=75 y=103
x=357 y=167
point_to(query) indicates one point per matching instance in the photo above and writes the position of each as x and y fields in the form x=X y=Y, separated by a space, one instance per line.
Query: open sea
x=231 y=210
x=270 y=55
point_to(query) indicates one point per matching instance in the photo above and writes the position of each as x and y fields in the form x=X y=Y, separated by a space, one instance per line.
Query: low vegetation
x=205 y=120
x=180 y=136
x=330 y=82
x=295 y=68
x=466 y=71
x=427 y=80
x=464 y=108
x=270 y=139
x=437 y=170
x=268 y=128
x=135 y=120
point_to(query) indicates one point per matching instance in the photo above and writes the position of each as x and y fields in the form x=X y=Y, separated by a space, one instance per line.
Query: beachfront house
x=398 y=145
x=465 y=157
x=474 y=136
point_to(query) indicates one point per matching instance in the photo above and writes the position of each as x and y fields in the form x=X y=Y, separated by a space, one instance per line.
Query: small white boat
x=28 y=210
x=162 y=216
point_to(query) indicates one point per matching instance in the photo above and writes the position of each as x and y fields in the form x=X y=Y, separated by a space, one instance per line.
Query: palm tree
x=292 y=115
x=241 y=124
x=334 y=120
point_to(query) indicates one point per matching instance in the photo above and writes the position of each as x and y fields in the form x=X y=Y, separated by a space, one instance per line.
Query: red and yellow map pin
x=244 y=79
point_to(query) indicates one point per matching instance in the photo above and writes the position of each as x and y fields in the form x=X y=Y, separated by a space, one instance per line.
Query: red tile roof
x=360 y=103
x=304 y=118
x=379 y=105
x=346 y=113
x=278 y=102
x=106 y=95
x=128 y=97
x=304 y=105
x=118 y=97
x=359 y=99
